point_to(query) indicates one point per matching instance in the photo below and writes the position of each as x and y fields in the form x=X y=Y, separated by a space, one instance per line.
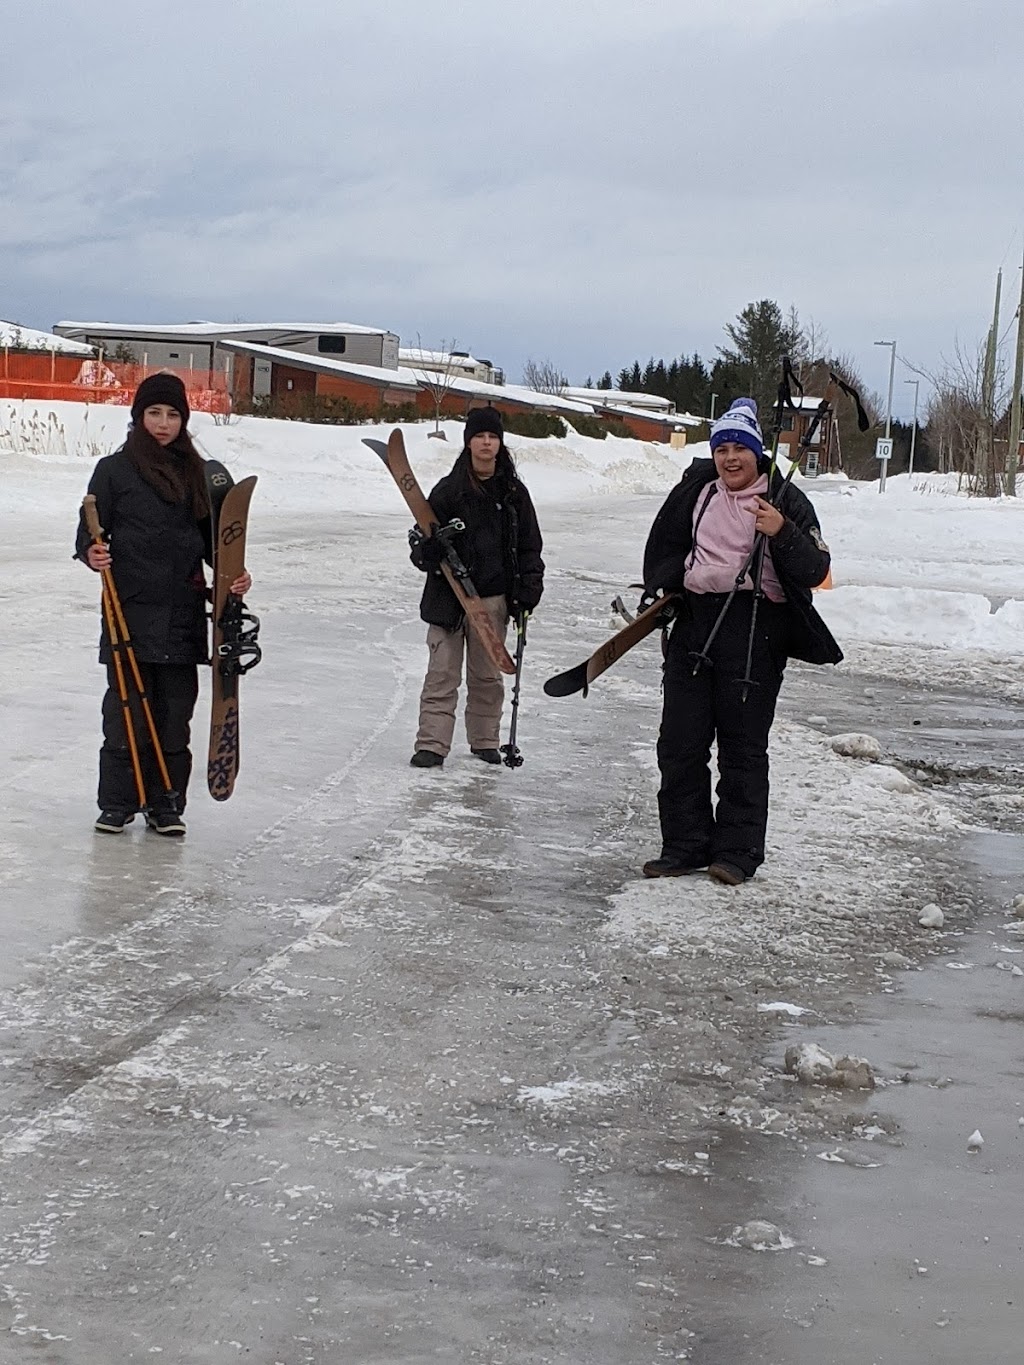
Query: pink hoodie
x=724 y=540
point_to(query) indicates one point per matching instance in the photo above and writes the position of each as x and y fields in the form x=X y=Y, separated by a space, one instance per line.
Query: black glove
x=669 y=611
x=426 y=552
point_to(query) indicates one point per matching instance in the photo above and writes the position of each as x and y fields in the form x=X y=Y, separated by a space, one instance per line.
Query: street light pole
x=888 y=409
x=913 y=430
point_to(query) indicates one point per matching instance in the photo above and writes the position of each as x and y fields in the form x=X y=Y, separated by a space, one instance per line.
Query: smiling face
x=736 y=465
x=162 y=422
x=483 y=451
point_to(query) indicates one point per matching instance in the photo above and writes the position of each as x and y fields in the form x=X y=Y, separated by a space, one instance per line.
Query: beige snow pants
x=485 y=691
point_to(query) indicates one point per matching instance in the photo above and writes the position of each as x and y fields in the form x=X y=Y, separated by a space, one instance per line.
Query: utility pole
x=888 y=411
x=1012 y=455
x=985 y=451
x=913 y=430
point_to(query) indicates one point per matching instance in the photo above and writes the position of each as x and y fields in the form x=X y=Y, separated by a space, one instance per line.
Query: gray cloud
x=583 y=180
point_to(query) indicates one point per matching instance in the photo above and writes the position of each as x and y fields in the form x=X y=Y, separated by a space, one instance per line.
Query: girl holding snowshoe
x=152 y=504
x=723 y=671
x=501 y=548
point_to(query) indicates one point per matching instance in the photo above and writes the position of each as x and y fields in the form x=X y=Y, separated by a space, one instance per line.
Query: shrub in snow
x=857 y=746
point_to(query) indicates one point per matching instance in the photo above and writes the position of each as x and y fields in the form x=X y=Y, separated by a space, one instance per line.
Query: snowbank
x=922 y=616
x=304 y=467
x=921 y=565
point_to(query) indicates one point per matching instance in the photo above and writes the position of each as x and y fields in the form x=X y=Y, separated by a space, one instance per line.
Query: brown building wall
x=640 y=427
x=287 y=379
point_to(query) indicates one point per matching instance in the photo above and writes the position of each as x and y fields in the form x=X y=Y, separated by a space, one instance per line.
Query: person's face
x=483 y=451
x=162 y=422
x=736 y=465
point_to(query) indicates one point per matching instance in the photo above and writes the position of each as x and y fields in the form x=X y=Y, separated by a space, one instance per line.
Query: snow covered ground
x=396 y=1030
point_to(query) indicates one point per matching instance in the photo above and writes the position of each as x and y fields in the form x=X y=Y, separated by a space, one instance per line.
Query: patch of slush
x=832 y=830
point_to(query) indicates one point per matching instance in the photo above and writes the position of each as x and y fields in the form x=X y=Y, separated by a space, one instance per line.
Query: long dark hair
x=504 y=469
x=175 y=472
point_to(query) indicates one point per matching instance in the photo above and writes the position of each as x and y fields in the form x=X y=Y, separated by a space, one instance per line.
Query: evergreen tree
x=631 y=381
x=760 y=337
x=605 y=382
x=691 y=389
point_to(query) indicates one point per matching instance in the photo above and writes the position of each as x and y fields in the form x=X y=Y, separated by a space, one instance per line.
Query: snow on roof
x=665 y=419
x=635 y=400
x=369 y=374
x=414 y=354
x=412 y=380
x=513 y=394
x=216 y=329
x=13 y=334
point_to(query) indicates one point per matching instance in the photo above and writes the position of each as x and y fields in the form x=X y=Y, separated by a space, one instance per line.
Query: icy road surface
x=389 y=1066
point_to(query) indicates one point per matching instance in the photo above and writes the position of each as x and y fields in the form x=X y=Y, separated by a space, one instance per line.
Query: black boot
x=487 y=755
x=426 y=758
x=672 y=865
x=165 y=820
x=728 y=874
x=113 y=821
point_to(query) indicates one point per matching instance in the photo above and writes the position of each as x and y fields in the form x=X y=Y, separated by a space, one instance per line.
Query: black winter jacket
x=501 y=546
x=157 y=551
x=799 y=555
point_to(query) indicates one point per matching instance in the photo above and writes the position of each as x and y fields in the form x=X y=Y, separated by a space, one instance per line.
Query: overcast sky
x=589 y=181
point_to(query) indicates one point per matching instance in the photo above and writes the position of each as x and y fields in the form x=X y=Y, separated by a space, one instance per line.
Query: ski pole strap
x=784 y=401
x=862 y=418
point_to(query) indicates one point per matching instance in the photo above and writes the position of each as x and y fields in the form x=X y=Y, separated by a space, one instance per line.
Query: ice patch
x=564 y=1092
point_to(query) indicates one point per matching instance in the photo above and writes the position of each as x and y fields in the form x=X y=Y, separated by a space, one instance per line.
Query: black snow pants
x=172 y=690
x=698 y=709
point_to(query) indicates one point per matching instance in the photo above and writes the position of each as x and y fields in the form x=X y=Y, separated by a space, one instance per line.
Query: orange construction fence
x=49 y=376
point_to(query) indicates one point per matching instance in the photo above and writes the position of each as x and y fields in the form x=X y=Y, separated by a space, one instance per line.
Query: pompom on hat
x=163 y=387
x=480 y=420
x=739 y=424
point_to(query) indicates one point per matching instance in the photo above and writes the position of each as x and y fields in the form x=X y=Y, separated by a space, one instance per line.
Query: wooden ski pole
x=117 y=628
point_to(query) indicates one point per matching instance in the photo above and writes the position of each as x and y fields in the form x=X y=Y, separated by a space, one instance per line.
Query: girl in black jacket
x=699 y=542
x=152 y=503
x=501 y=547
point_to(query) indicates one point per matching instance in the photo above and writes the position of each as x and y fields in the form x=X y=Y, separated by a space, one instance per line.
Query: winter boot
x=113 y=821
x=727 y=873
x=671 y=865
x=487 y=755
x=426 y=758
x=165 y=820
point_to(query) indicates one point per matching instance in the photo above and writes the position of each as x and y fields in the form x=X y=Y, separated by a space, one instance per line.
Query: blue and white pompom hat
x=739 y=424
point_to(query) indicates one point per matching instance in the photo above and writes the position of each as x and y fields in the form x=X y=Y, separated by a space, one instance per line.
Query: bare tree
x=439 y=378
x=815 y=341
x=544 y=376
x=966 y=415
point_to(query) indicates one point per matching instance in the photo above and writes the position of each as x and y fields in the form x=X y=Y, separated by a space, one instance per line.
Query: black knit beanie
x=481 y=420
x=161 y=388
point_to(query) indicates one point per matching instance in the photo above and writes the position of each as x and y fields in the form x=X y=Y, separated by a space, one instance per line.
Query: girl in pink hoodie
x=698 y=546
